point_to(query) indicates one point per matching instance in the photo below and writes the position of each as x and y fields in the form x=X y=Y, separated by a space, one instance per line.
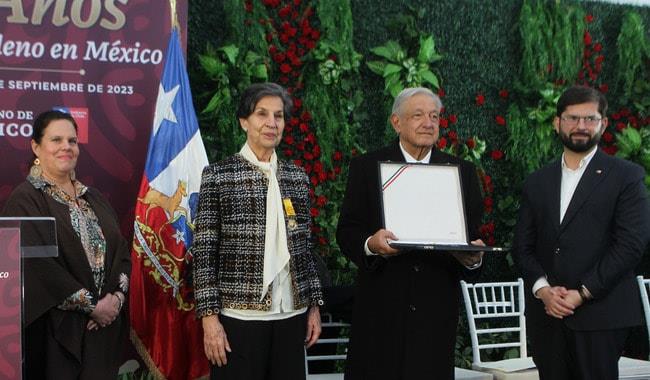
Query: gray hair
x=408 y=93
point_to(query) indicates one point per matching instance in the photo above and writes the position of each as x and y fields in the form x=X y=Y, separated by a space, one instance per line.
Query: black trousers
x=264 y=350
x=564 y=354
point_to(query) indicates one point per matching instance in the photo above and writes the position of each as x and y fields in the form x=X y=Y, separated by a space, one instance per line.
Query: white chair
x=327 y=324
x=634 y=369
x=502 y=303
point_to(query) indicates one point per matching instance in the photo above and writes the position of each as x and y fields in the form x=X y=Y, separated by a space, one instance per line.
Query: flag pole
x=174 y=15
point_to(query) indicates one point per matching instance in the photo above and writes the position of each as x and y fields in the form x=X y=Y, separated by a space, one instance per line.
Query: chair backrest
x=333 y=353
x=493 y=302
x=644 y=288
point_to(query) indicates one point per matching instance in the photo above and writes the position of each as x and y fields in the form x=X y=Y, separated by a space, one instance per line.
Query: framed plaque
x=423 y=206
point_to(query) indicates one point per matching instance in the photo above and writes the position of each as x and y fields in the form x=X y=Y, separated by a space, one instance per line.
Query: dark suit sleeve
x=525 y=241
x=630 y=236
x=354 y=221
x=473 y=200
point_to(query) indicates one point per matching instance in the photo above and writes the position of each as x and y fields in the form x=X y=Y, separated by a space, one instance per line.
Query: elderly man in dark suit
x=584 y=225
x=406 y=302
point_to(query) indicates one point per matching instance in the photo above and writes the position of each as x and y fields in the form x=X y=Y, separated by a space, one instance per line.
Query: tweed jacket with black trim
x=229 y=239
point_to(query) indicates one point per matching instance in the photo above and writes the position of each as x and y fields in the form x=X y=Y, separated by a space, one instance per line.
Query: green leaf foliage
x=633 y=50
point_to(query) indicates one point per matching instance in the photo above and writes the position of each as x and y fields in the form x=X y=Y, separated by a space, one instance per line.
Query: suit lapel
x=555 y=184
x=596 y=171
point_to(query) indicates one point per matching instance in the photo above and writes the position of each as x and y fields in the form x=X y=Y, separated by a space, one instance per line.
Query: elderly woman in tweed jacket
x=256 y=286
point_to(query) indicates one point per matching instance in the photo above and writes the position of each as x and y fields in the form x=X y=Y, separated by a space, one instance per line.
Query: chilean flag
x=164 y=329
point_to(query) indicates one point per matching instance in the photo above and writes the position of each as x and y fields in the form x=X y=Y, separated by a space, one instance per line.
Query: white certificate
x=423 y=203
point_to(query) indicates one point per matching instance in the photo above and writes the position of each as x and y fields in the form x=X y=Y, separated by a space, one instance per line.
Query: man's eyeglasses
x=419 y=116
x=572 y=120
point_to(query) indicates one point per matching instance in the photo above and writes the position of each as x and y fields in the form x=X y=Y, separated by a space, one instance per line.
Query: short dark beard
x=579 y=147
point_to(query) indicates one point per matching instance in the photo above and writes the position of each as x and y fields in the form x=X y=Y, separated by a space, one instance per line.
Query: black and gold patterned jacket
x=229 y=240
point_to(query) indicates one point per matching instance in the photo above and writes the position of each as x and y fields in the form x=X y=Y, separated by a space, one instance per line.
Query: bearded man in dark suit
x=406 y=302
x=584 y=225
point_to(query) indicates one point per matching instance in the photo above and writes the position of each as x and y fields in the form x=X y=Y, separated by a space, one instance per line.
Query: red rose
x=441 y=92
x=300 y=146
x=285 y=68
x=296 y=2
x=625 y=112
x=298 y=162
x=620 y=126
x=314 y=181
x=471 y=143
x=284 y=79
x=284 y=12
x=314 y=211
x=487 y=204
x=337 y=156
x=586 y=53
x=633 y=120
x=500 y=120
x=322 y=240
x=288 y=139
x=306 y=116
x=480 y=99
x=587 y=38
x=288 y=152
x=589 y=18
x=308 y=168
x=292 y=32
x=497 y=155
x=304 y=128
x=453 y=118
x=248 y=6
x=279 y=58
x=284 y=38
x=297 y=103
x=321 y=200
x=337 y=170
x=503 y=94
x=598 y=47
x=311 y=138
x=294 y=15
x=616 y=116
x=599 y=59
x=453 y=136
x=608 y=137
x=318 y=166
x=442 y=143
x=331 y=175
x=316 y=151
x=444 y=123
x=310 y=45
x=611 y=150
x=294 y=121
x=272 y=49
x=308 y=156
x=322 y=176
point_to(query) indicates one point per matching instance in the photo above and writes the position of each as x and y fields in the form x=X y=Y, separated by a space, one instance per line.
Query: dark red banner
x=100 y=60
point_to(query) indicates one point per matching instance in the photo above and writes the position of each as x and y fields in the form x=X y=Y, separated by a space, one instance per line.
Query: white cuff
x=368 y=251
x=475 y=266
x=541 y=282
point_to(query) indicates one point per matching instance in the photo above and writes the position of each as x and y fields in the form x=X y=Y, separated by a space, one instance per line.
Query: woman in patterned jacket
x=255 y=281
x=75 y=324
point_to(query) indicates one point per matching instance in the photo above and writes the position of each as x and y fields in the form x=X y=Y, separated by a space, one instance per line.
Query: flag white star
x=179 y=236
x=164 y=108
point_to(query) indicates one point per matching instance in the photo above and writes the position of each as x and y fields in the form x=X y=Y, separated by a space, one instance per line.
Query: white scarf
x=276 y=251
